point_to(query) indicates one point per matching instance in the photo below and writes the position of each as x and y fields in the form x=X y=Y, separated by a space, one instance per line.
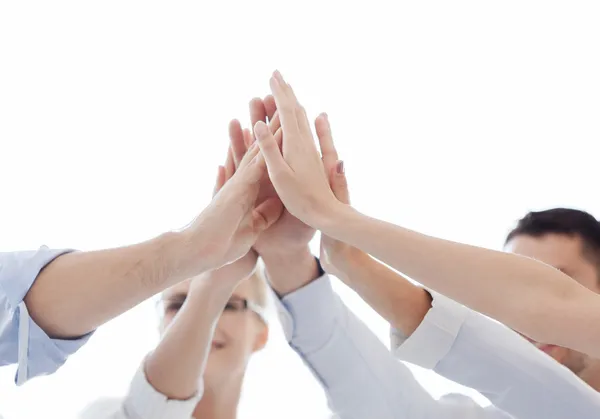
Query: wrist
x=347 y=262
x=335 y=219
x=211 y=292
x=288 y=272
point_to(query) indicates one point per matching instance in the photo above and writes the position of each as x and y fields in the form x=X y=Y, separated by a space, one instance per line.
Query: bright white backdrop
x=453 y=118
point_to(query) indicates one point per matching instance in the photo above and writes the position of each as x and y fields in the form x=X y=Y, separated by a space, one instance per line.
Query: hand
x=298 y=175
x=333 y=252
x=288 y=235
x=229 y=226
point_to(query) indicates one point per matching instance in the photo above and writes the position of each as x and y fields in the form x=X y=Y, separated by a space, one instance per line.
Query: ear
x=261 y=338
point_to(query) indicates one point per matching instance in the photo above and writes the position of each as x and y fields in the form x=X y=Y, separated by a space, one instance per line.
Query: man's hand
x=230 y=225
x=242 y=268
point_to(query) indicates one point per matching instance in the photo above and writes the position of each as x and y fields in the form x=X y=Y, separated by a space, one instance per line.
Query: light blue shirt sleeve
x=475 y=351
x=359 y=375
x=22 y=341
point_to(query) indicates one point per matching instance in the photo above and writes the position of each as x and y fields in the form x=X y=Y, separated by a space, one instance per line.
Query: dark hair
x=567 y=221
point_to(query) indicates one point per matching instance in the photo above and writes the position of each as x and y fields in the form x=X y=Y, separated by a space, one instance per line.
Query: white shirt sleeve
x=360 y=377
x=142 y=402
x=475 y=351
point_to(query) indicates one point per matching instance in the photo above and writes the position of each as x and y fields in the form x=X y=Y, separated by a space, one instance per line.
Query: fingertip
x=261 y=129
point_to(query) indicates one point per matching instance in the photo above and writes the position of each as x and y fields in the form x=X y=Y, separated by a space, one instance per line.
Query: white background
x=453 y=118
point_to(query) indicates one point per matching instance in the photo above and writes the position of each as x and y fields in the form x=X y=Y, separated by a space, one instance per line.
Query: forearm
x=176 y=366
x=80 y=291
x=400 y=302
x=288 y=272
x=356 y=370
x=510 y=288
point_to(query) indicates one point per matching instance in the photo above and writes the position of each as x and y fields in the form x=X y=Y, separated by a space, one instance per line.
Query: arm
x=107 y=283
x=465 y=346
x=516 y=290
x=169 y=382
x=178 y=361
x=382 y=288
x=470 y=349
x=43 y=295
x=360 y=377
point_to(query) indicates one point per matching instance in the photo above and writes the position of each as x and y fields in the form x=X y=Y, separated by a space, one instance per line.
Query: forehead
x=243 y=290
x=558 y=250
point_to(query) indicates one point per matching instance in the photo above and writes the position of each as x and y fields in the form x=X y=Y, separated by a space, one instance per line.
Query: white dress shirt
x=475 y=351
x=360 y=376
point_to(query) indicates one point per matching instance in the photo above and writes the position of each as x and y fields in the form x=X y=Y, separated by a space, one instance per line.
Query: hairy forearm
x=403 y=304
x=289 y=272
x=80 y=291
x=513 y=289
x=176 y=366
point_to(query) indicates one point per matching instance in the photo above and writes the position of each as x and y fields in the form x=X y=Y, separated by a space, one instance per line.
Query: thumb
x=339 y=183
x=265 y=214
x=269 y=149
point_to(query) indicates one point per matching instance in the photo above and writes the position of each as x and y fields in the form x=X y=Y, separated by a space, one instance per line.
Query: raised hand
x=232 y=222
x=296 y=171
x=287 y=235
x=245 y=265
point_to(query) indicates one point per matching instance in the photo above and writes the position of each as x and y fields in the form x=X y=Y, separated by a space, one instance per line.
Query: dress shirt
x=478 y=352
x=361 y=379
x=22 y=341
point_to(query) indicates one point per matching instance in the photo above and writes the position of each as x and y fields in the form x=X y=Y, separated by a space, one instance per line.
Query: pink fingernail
x=339 y=168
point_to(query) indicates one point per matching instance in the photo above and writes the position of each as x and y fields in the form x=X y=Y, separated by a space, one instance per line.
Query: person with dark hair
x=569 y=240
x=428 y=329
x=510 y=288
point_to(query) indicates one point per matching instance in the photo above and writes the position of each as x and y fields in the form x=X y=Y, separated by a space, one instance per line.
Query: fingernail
x=339 y=168
x=325 y=116
x=260 y=128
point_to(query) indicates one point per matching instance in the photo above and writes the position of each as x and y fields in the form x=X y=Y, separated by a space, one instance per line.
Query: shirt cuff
x=299 y=312
x=145 y=402
x=35 y=353
x=38 y=354
x=434 y=337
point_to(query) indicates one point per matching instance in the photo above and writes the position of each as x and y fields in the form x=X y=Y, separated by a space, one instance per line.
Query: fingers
x=266 y=214
x=236 y=138
x=220 y=180
x=251 y=156
x=339 y=184
x=229 y=164
x=248 y=138
x=270 y=107
x=275 y=122
x=270 y=150
x=257 y=111
x=279 y=139
x=323 y=130
x=286 y=105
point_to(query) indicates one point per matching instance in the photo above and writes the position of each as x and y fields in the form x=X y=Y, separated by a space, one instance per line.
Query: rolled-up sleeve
x=22 y=341
x=360 y=377
x=142 y=402
x=475 y=351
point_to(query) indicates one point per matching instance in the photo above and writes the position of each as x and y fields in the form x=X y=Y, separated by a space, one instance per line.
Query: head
x=241 y=330
x=568 y=240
